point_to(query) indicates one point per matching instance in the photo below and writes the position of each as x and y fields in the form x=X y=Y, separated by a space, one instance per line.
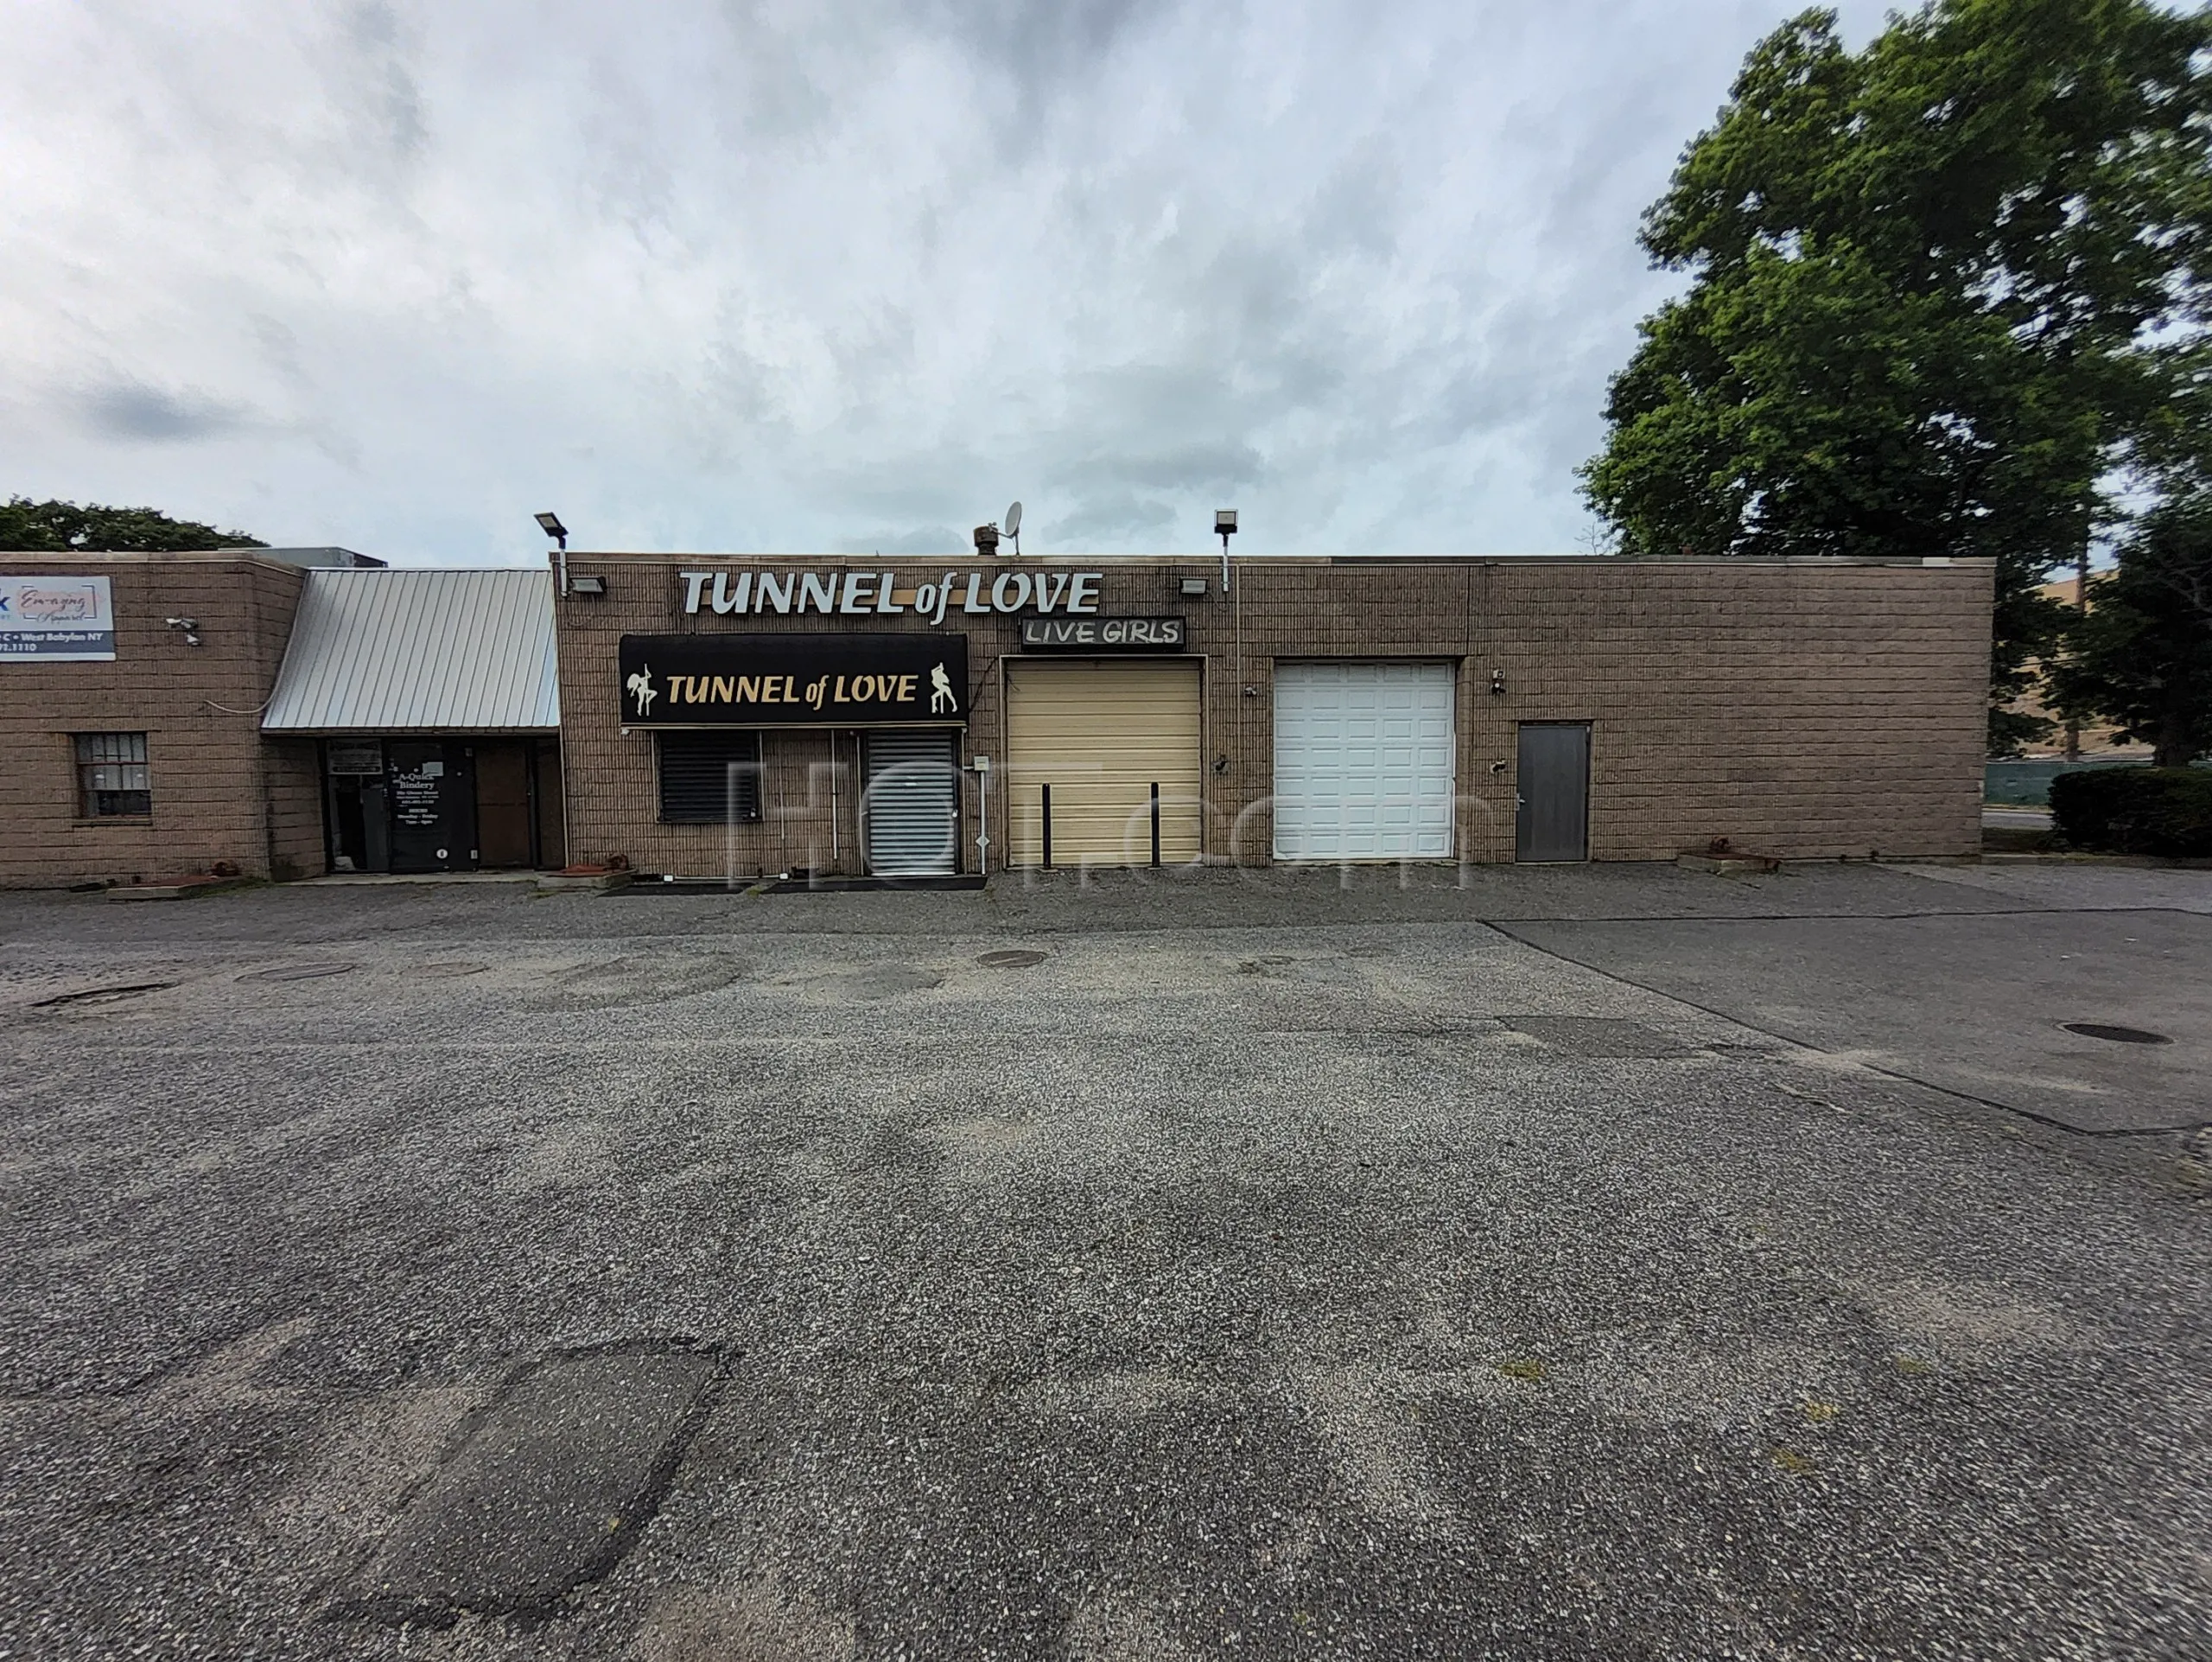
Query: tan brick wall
x=1807 y=709
x=219 y=792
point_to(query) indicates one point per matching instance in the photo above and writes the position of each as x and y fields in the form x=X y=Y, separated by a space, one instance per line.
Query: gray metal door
x=911 y=806
x=1552 y=813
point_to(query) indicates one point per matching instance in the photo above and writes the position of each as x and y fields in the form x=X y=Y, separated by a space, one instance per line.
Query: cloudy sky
x=836 y=276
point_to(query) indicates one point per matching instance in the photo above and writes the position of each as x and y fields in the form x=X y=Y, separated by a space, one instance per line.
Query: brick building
x=275 y=712
x=131 y=746
x=727 y=716
x=721 y=717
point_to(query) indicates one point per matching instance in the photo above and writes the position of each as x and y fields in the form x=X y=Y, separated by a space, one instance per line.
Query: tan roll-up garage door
x=1100 y=736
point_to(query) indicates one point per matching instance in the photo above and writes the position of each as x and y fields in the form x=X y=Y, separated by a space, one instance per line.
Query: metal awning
x=412 y=650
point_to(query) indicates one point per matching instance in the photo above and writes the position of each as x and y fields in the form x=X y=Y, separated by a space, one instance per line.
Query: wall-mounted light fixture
x=1192 y=585
x=586 y=585
x=1496 y=681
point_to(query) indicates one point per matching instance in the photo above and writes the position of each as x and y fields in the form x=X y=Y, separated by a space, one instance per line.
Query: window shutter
x=695 y=782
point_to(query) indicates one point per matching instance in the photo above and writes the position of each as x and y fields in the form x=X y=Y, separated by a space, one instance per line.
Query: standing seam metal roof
x=407 y=650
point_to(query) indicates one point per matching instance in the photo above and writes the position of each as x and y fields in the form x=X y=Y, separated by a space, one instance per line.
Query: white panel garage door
x=1364 y=762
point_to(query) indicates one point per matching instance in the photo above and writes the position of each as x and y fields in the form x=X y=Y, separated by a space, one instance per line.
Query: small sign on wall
x=1124 y=634
x=356 y=756
x=57 y=620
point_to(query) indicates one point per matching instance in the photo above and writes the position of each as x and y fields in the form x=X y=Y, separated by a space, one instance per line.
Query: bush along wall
x=2165 y=810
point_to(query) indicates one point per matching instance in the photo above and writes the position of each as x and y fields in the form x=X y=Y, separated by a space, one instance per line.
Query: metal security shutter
x=912 y=806
x=1101 y=736
x=1364 y=762
x=708 y=777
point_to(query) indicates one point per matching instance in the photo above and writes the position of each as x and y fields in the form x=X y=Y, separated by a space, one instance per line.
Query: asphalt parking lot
x=1607 y=1262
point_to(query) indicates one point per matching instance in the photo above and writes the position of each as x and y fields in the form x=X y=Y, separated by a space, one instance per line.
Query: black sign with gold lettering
x=793 y=680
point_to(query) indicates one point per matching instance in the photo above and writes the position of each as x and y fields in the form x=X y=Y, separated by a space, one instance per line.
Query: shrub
x=2135 y=809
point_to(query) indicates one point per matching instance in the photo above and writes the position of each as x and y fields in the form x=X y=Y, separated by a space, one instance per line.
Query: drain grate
x=102 y=995
x=1010 y=960
x=2116 y=1035
x=297 y=972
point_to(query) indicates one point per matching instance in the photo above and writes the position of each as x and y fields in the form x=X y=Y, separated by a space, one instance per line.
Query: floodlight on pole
x=1224 y=527
x=551 y=526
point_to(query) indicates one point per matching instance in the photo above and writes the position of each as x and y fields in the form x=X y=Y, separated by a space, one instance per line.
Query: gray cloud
x=1192 y=466
x=1107 y=519
x=129 y=410
x=731 y=273
x=385 y=92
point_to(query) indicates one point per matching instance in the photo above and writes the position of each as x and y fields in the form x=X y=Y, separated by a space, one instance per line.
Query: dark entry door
x=1552 y=814
x=503 y=819
x=432 y=798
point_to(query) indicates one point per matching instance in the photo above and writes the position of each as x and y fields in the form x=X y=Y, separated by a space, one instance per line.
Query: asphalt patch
x=548 y=1486
x=636 y=978
x=1599 y=1037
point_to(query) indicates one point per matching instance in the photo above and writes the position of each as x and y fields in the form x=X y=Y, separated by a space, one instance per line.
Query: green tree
x=2142 y=654
x=61 y=527
x=1927 y=283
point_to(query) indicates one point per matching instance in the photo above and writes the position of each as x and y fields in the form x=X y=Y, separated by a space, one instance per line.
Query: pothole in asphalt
x=2118 y=1035
x=102 y=995
x=297 y=972
x=1016 y=959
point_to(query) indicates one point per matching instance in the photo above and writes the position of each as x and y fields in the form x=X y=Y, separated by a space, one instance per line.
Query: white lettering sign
x=974 y=593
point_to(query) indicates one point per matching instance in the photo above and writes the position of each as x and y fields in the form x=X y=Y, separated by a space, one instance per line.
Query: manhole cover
x=1012 y=960
x=297 y=972
x=103 y=995
x=2117 y=1035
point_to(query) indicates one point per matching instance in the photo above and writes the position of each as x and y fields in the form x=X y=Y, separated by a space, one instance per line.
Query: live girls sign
x=877 y=594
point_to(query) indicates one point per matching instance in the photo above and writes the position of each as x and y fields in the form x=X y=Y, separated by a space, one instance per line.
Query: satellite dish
x=1014 y=520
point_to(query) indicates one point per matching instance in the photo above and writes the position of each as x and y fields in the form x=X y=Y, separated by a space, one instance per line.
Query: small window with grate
x=709 y=779
x=111 y=778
